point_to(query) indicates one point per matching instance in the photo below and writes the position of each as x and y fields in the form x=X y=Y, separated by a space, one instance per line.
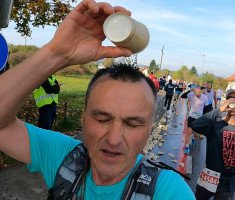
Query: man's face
x=208 y=87
x=198 y=92
x=231 y=111
x=116 y=124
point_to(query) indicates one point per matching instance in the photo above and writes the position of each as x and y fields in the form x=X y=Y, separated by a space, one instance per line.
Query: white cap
x=230 y=89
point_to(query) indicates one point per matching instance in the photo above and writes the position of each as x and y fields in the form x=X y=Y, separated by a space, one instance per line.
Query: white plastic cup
x=231 y=105
x=126 y=32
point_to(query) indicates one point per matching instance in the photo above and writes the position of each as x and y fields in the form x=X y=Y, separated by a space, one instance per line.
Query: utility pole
x=162 y=57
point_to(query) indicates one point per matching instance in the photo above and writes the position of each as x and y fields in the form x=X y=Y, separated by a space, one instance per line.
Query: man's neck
x=230 y=120
x=102 y=180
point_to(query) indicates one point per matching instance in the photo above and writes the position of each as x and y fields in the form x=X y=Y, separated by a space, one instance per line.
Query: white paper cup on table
x=126 y=32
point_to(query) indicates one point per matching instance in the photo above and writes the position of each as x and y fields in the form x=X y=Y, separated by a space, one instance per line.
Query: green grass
x=73 y=93
x=73 y=90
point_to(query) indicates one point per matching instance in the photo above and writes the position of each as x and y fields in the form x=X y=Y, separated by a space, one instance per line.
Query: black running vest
x=70 y=178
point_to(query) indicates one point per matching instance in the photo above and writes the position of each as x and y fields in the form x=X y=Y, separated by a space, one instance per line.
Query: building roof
x=143 y=68
x=231 y=78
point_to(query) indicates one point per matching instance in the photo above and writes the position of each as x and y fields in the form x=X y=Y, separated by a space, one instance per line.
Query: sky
x=188 y=29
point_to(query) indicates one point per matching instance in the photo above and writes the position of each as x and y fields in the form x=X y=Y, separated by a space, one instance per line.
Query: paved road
x=18 y=184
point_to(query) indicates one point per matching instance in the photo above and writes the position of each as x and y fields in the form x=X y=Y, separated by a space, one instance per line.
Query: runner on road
x=162 y=82
x=169 y=93
x=219 y=94
x=179 y=89
x=198 y=101
x=151 y=76
x=211 y=95
x=218 y=177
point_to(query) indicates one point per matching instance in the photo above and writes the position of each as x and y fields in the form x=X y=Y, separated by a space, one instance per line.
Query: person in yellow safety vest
x=46 y=98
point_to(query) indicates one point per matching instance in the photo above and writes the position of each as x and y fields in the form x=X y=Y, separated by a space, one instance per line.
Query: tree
x=220 y=82
x=153 y=67
x=38 y=13
x=207 y=77
x=184 y=68
x=193 y=70
x=177 y=75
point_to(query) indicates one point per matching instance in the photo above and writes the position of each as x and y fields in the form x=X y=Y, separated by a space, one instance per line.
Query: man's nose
x=114 y=135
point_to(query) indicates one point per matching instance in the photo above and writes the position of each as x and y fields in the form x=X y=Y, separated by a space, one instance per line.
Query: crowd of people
x=116 y=122
x=208 y=115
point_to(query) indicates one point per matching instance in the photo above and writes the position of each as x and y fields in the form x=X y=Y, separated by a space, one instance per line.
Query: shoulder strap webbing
x=68 y=174
x=142 y=181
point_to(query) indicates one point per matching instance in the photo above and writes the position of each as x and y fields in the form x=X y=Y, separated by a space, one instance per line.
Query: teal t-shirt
x=48 y=150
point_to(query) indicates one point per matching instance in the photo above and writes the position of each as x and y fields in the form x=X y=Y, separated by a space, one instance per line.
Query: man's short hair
x=170 y=81
x=121 y=72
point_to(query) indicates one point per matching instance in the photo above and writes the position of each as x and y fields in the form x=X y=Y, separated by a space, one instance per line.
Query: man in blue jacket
x=169 y=94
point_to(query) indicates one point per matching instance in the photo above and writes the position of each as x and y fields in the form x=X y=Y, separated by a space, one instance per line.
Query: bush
x=75 y=69
x=16 y=58
x=88 y=69
x=27 y=49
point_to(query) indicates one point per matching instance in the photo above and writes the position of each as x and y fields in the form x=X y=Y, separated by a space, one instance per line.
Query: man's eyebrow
x=100 y=112
x=137 y=119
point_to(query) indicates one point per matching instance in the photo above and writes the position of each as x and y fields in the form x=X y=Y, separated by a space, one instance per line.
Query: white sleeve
x=206 y=100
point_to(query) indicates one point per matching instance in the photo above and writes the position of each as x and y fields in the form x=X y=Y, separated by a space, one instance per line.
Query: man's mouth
x=111 y=153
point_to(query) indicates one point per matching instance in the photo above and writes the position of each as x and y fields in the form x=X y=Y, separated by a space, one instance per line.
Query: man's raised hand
x=79 y=38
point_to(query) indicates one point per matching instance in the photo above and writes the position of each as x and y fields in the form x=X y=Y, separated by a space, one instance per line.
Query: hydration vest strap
x=142 y=181
x=72 y=173
x=80 y=182
x=129 y=183
x=162 y=165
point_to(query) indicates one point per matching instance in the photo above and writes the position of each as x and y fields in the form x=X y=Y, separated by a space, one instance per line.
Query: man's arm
x=166 y=87
x=51 y=88
x=78 y=40
x=185 y=95
x=215 y=99
x=204 y=124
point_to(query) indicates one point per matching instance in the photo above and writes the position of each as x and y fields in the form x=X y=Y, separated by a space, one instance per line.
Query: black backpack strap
x=162 y=165
x=69 y=174
x=80 y=182
x=142 y=181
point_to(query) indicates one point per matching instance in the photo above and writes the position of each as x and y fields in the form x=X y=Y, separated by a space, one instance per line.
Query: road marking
x=189 y=165
x=182 y=157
